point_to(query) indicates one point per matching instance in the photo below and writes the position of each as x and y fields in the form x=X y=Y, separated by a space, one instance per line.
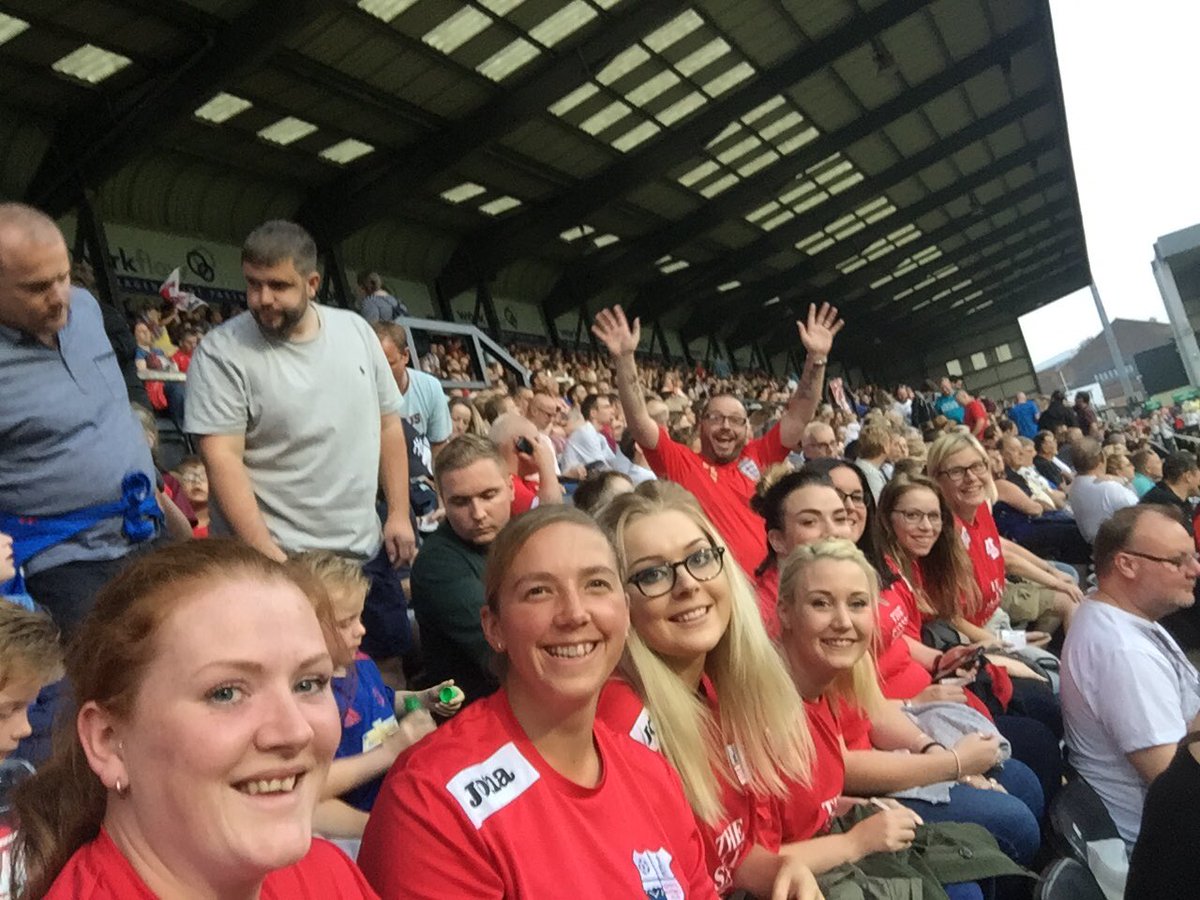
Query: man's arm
x=232 y=491
x=550 y=492
x=621 y=340
x=817 y=336
x=1009 y=493
x=1153 y=761
x=398 y=537
x=1023 y=564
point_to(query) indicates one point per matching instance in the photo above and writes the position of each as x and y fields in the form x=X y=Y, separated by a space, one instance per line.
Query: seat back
x=1067 y=879
x=1077 y=817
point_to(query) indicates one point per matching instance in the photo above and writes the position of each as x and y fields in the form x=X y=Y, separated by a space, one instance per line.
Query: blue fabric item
x=967 y=890
x=138 y=508
x=368 y=710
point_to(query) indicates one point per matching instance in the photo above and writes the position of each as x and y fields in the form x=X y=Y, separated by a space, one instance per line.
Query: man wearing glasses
x=723 y=474
x=1128 y=690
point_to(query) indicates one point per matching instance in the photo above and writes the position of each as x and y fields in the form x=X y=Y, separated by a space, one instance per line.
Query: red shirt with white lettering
x=473 y=810
x=724 y=490
x=900 y=676
x=99 y=871
x=809 y=808
x=746 y=822
x=982 y=540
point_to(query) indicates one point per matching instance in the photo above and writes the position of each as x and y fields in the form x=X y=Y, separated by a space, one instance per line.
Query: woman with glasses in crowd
x=702 y=683
x=199 y=745
x=525 y=793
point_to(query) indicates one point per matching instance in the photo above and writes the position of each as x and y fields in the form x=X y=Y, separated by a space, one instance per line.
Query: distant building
x=1093 y=363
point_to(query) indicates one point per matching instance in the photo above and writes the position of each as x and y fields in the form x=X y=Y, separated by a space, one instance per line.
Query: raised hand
x=615 y=332
x=818 y=332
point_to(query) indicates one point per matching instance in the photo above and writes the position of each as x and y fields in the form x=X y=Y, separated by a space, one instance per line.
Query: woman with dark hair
x=199 y=747
x=851 y=485
x=525 y=793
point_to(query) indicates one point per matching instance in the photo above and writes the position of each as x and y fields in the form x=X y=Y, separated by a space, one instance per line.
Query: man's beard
x=288 y=320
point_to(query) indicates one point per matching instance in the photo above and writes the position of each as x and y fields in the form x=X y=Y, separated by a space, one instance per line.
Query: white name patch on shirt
x=643 y=731
x=491 y=785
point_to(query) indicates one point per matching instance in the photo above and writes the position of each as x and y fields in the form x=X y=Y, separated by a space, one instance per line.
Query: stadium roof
x=713 y=164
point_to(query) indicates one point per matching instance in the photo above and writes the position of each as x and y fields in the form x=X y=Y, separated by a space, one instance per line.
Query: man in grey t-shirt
x=298 y=421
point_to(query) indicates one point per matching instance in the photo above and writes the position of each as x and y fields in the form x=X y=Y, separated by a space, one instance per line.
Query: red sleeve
x=768 y=449
x=855 y=725
x=418 y=847
x=670 y=459
x=524 y=496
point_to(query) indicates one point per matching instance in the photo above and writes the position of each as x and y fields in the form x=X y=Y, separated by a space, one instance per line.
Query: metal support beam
x=793 y=281
x=773 y=180
x=93 y=236
x=1181 y=325
x=86 y=152
x=485 y=301
x=506 y=240
x=375 y=192
x=442 y=301
x=551 y=330
x=658 y=296
x=337 y=280
x=1114 y=348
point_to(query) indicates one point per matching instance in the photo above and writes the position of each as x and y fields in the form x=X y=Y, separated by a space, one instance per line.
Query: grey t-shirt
x=67 y=435
x=311 y=416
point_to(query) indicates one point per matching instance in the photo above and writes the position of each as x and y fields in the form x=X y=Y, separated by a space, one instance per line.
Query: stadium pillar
x=336 y=280
x=484 y=300
x=551 y=328
x=1113 y=349
x=91 y=234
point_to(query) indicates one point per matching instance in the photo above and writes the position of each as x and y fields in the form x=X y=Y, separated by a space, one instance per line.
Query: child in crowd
x=377 y=722
x=30 y=658
x=193 y=479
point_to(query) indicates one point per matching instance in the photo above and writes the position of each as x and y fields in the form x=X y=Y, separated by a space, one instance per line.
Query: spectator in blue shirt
x=1024 y=414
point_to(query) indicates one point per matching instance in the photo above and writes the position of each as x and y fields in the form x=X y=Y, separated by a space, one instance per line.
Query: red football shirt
x=98 y=871
x=767 y=587
x=810 y=807
x=901 y=677
x=473 y=810
x=982 y=541
x=747 y=820
x=525 y=496
x=724 y=491
x=975 y=417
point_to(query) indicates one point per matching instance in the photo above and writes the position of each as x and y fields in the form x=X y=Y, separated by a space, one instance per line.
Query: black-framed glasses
x=704 y=564
x=1178 y=561
x=958 y=473
x=858 y=498
x=718 y=419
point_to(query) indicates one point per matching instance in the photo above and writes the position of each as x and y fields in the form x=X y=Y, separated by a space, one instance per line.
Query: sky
x=1129 y=83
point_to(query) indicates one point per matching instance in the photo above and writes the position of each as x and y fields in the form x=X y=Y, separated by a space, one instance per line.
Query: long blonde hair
x=760 y=713
x=860 y=685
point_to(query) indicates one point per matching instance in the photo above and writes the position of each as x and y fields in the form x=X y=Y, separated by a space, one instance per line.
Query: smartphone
x=956 y=659
x=523 y=446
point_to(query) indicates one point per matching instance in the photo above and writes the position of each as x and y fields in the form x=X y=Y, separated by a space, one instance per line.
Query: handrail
x=480 y=341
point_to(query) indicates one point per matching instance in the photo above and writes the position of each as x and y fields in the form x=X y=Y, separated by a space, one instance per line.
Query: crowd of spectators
x=669 y=620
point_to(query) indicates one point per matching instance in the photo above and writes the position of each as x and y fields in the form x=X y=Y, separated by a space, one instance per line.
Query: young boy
x=194 y=480
x=30 y=658
x=377 y=724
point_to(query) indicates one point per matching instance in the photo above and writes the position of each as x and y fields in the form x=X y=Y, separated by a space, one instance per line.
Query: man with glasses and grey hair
x=1128 y=690
x=724 y=473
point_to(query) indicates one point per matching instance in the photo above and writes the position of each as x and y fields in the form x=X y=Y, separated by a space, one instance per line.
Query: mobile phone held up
x=523 y=446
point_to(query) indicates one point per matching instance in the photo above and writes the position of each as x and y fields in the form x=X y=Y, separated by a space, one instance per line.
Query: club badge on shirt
x=749 y=468
x=658 y=881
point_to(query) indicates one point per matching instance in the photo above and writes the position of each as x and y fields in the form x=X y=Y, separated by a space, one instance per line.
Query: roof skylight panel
x=582 y=93
x=653 y=87
x=675 y=30
x=91 y=64
x=605 y=118
x=500 y=205
x=385 y=9
x=563 y=23
x=576 y=232
x=699 y=173
x=346 y=151
x=453 y=32
x=729 y=79
x=462 y=192
x=762 y=109
x=669 y=264
x=603 y=240
x=698 y=59
x=222 y=108
x=681 y=108
x=286 y=131
x=635 y=136
x=728 y=286
x=725 y=182
x=10 y=27
x=507 y=60
x=622 y=64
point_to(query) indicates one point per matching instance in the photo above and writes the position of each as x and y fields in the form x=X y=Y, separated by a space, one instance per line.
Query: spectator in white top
x=425 y=406
x=1094 y=495
x=299 y=421
x=873 y=444
x=586 y=446
x=1128 y=690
